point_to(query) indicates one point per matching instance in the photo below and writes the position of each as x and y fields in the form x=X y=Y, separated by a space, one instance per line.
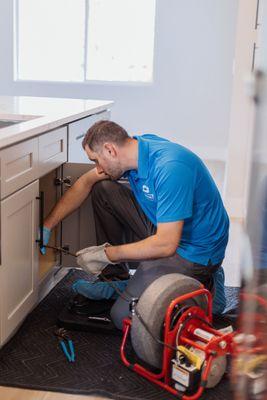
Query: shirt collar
x=143 y=157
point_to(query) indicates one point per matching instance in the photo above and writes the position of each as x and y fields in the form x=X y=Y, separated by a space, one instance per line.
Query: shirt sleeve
x=174 y=187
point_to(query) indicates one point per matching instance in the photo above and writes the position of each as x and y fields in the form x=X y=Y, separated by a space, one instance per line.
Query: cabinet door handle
x=253 y=57
x=41 y=219
x=257 y=15
x=80 y=136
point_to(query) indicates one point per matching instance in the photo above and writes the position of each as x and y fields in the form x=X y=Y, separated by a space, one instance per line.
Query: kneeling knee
x=103 y=187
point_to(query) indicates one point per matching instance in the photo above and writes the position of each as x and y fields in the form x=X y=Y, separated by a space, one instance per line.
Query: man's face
x=106 y=160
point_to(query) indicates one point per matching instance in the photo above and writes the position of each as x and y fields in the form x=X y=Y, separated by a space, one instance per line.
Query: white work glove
x=93 y=259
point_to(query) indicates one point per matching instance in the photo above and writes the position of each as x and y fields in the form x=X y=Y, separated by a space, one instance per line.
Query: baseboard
x=50 y=280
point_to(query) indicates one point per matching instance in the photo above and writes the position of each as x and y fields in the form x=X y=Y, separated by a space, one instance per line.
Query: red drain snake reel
x=194 y=353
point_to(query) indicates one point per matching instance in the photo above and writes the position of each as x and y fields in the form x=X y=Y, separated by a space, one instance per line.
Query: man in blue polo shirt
x=171 y=219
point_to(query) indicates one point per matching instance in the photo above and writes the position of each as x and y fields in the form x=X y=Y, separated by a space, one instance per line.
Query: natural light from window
x=85 y=40
x=120 y=40
x=50 y=40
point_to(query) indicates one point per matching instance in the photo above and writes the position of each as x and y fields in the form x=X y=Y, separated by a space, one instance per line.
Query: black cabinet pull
x=41 y=219
x=257 y=15
x=253 y=57
x=80 y=136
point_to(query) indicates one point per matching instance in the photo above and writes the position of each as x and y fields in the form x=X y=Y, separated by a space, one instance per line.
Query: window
x=85 y=40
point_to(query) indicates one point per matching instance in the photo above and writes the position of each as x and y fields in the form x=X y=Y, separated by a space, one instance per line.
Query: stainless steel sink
x=7 y=122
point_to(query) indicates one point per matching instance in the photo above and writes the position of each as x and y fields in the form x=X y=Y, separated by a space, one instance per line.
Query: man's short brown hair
x=102 y=132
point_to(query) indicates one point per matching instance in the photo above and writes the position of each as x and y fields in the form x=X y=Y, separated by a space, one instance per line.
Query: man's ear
x=110 y=148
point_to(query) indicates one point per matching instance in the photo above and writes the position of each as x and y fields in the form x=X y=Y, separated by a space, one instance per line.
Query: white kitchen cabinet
x=31 y=165
x=19 y=166
x=19 y=257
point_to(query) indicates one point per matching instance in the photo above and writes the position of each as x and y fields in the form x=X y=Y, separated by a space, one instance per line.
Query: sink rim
x=14 y=121
x=18 y=117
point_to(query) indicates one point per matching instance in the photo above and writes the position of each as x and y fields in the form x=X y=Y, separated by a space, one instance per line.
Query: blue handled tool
x=65 y=342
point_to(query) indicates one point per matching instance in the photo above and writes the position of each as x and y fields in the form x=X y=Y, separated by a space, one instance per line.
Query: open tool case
x=83 y=314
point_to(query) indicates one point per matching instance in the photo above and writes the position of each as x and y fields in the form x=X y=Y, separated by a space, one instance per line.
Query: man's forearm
x=150 y=248
x=69 y=202
x=72 y=198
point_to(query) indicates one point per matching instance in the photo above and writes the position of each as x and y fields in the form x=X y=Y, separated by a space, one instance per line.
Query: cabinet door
x=78 y=229
x=52 y=150
x=19 y=166
x=19 y=257
x=51 y=193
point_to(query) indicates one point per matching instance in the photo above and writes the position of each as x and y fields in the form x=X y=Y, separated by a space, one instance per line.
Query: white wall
x=189 y=100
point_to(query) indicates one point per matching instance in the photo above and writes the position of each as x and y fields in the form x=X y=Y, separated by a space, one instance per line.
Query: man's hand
x=46 y=237
x=93 y=259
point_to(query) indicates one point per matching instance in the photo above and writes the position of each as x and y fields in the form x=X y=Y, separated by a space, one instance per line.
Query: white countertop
x=41 y=114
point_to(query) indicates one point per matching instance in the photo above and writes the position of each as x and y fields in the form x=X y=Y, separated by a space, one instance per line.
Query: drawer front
x=19 y=166
x=52 y=150
x=77 y=131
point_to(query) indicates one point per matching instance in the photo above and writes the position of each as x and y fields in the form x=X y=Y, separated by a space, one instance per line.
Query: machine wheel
x=152 y=307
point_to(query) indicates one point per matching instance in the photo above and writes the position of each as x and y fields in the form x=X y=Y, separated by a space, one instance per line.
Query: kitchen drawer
x=19 y=166
x=77 y=131
x=52 y=150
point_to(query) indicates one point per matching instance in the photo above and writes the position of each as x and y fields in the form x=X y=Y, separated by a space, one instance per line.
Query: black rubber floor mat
x=33 y=359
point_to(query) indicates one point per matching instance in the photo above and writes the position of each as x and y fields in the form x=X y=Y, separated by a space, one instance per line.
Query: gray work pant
x=119 y=219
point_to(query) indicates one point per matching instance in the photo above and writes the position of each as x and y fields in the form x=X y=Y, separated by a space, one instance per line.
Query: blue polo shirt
x=173 y=184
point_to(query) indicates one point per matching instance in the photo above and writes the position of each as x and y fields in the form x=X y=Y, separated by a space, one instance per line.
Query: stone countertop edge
x=34 y=124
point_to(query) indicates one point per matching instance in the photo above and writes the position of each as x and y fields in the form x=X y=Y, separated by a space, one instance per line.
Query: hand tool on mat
x=65 y=342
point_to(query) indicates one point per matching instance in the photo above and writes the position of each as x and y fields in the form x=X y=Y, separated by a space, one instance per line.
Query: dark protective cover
x=33 y=359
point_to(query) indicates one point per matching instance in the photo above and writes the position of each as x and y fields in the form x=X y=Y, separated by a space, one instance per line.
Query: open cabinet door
x=51 y=194
x=78 y=229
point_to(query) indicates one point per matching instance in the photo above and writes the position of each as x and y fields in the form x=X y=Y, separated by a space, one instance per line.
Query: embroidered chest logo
x=149 y=196
x=145 y=189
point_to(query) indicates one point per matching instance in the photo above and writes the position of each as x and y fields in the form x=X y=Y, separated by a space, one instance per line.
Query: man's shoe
x=115 y=272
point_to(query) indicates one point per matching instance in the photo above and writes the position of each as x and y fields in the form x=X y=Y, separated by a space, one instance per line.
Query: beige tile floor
x=7 y=393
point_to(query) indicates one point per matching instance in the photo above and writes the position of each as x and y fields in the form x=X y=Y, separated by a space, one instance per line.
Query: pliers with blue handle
x=65 y=340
